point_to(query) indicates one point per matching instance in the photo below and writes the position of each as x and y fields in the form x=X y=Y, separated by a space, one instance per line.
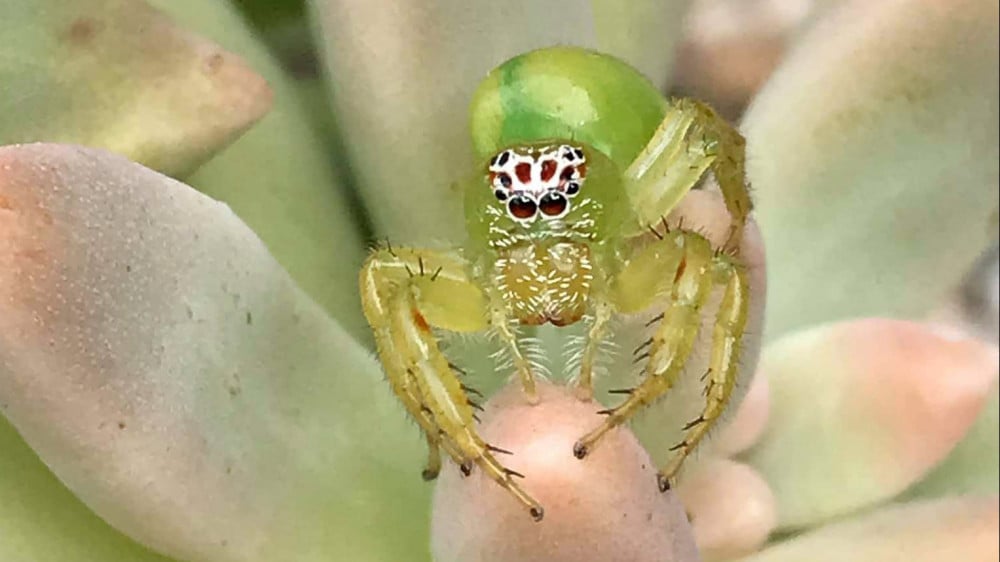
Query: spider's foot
x=584 y=392
x=531 y=396
x=664 y=482
x=528 y=387
x=507 y=478
x=586 y=444
x=535 y=509
x=430 y=474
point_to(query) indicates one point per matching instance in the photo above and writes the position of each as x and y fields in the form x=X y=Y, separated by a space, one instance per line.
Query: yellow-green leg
x=501 y=326
x=405 y=294
x=671 y=344
x=433 y=459
x=691 y=139
x=693 y=268
x=727 y=333
x=596 y=333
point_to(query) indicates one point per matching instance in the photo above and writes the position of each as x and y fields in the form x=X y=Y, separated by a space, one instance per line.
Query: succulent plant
x=185 y=373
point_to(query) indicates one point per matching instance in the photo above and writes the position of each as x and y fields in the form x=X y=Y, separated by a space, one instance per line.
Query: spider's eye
x=505 y=180
x=500 y=194
x=522 y=207
x=500 y=159
x=572 y=188
x=552 y=204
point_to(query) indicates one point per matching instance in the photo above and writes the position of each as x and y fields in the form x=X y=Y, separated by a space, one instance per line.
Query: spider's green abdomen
x=566 y=93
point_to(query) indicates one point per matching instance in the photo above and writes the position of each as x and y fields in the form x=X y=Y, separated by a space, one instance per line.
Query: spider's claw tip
x=663 y=482
x=580 y=450
x=429 y=474
x=537 y=513
x=466 y=468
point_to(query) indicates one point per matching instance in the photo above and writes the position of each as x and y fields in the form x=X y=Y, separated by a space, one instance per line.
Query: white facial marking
x=537 y=181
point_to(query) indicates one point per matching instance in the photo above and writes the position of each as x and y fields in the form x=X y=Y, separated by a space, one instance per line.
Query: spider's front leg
x=405 y=293
x=691 y=139
x=685 y=266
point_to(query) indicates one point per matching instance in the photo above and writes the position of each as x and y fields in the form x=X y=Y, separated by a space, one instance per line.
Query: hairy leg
x=679 y=258
x=597 y=331
x=406 y=293
x=691 y=139
x=727 y=335
x=692 y=269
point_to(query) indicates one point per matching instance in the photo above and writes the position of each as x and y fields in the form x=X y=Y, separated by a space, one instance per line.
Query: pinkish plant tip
x=605 y=507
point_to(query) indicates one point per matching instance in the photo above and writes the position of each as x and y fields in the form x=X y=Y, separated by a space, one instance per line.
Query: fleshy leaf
x=873 y=150
x=174 y=377
x=861 y=410
x=119 y=75
x=974 y=465
x=42 y=521
x=748 y=422
x=730 y=507
x=605 y=507
x=278 y=177
x=402 y=76
x=731 y=47
x=961 y=528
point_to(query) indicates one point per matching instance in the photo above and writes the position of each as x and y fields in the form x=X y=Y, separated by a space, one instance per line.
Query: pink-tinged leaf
x=960 y=529
x=730 y=507
x=120 y=75
x=730 y=48
x=873 y=151
x=606 y=507
x=42 y=521
x=278 y=176
x=861 y=410
x=171 y=374
x=749 y=421
x=974 y=465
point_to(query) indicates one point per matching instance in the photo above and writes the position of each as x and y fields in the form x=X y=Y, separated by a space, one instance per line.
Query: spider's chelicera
x=566 y=224
x=538 y=181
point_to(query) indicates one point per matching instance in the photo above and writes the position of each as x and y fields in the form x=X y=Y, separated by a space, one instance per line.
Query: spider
x=582 y=159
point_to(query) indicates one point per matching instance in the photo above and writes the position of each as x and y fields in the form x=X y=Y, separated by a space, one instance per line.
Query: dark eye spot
x=522 y=207
x=505 y=180
x=500 y=194
x=579 y=153
x=503 y=158
x=572 y=188
x=552 y=203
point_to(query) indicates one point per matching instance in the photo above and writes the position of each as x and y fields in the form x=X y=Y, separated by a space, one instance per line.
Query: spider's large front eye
x=552 y=204
x=522 y=207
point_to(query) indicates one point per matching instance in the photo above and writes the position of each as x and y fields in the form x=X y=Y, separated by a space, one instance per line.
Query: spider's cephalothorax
x=582 y=160
x=543 y=220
